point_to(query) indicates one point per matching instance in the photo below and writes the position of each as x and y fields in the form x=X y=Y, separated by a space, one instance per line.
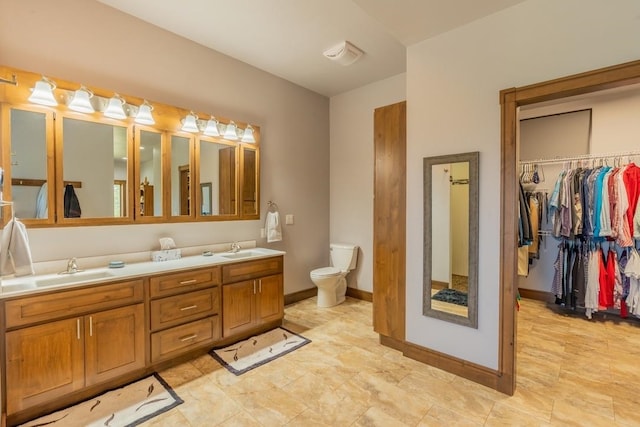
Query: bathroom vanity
x=65 y=342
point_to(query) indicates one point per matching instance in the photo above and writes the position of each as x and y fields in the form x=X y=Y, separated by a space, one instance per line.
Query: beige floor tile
x=170 y=418
x=503 y=415
x=441 y=416
x=376 y=417
x=242 y=419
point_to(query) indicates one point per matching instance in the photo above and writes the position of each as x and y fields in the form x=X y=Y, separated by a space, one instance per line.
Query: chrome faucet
x=72 y=267
x=235 y=247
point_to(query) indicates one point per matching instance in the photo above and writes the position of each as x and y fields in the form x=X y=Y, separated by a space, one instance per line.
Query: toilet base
x=332 y=296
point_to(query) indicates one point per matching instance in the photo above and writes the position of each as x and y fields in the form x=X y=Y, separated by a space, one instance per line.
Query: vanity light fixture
x=43 y=93
x=144 y=116
x=231 y=131
x=247 y=135
x=81 y=101
x=212 y=127
x=190 y=123
x=115 y=108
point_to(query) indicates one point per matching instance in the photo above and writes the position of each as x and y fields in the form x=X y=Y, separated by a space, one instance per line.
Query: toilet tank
x=344 y=256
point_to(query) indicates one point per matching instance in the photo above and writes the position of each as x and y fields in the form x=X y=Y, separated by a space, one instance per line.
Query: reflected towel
x=15 y=254
x=274 y=230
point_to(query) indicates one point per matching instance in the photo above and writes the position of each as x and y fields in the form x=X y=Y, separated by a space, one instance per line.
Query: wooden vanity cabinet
x=48 y=360
x=252 y=295
x=184 y=311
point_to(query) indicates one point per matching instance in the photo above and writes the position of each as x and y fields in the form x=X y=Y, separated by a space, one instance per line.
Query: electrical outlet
x=289 y=219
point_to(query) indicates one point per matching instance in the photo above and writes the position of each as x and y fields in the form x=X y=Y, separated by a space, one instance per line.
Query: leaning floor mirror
x=450 y=284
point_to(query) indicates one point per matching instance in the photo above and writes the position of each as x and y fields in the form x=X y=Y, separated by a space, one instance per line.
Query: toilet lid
x=325 y=271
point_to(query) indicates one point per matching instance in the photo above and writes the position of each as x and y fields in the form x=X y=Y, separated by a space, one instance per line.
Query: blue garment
x=597 y=191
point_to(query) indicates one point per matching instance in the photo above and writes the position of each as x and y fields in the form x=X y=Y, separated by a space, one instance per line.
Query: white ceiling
x=287 y=37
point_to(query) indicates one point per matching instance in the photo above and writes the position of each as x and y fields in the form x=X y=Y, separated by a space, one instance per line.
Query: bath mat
x=256 y=351
x=451 y=296
x=126 y=406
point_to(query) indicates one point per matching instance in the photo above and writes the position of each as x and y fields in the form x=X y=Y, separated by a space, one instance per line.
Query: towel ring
x=273 y=207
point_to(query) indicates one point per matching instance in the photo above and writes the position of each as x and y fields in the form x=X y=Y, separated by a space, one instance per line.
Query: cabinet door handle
x=191 y=307
x=189 y=337
x=78 y=328
x=260 y=285
x=254 y=287
x=188 y=282
x=90 y=326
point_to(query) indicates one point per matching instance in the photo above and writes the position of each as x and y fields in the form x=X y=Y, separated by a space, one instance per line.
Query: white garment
x=273 y=227
x=593 y=285
x=42 y=200
x=15 y=254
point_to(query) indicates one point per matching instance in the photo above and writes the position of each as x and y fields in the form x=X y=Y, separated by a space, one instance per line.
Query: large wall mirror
x=451 y=238
x=96 y=165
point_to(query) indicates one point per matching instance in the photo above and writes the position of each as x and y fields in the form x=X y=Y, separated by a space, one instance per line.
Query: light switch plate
x=288 y=219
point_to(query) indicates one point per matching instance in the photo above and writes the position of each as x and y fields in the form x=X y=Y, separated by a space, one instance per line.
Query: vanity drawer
x=171 y=284
x=46 y=307
x=251 y=269
x=177 y=340
x=182 y=308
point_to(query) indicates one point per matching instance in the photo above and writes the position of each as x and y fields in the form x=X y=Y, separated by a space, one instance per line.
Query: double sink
x=24 y=284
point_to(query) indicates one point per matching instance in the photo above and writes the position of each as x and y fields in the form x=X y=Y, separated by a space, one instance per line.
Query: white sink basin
x=64 y=279
x=241 y=254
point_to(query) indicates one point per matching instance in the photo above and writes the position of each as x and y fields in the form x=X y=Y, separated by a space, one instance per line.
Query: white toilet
x=331 y=281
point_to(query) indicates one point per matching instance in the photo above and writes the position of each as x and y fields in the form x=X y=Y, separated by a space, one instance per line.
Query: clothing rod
x=560 y=160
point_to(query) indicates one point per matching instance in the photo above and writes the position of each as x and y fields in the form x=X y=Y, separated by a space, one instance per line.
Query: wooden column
x=389 y=220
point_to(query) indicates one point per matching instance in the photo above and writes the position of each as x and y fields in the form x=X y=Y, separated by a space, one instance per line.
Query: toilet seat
x=325 y=272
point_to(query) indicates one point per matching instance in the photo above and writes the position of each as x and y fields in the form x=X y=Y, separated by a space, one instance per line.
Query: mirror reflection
x=150 y=167
x=29 y=171
x=95 y=188
x=180 y=176
x=249 y=182
x=217 y=177
x=450 y=280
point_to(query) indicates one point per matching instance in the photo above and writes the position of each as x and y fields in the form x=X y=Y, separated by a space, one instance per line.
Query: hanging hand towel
x=274 y=230
x=15 y=254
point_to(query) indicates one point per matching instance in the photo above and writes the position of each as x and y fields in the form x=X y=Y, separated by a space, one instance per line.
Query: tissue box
x=166 y=255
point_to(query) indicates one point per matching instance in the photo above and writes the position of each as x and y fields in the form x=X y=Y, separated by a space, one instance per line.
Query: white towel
x=15 y=254
x=274 y=230
x=42 y=209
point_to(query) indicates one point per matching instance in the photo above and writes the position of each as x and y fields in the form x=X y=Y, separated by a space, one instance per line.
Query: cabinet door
x=270 y=299
x=114 y=343
x=43 y=362
x=238 y=307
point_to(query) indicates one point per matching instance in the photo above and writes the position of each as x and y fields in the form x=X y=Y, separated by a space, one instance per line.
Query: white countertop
x=27 y=285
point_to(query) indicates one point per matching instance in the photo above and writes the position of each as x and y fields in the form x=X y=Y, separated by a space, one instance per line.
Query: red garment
x=607 y=281
x=631 y=179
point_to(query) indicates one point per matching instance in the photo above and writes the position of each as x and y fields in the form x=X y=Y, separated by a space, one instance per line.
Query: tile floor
x=570 y=372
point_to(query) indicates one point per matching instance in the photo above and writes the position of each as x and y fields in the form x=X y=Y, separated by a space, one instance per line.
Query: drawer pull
x=78 y=328
x=191 y=307
x=188 y=282
x=260 y=285
x=90 y=326
x=189 y=337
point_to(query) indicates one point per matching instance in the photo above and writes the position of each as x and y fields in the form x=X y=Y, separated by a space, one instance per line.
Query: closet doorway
x=590 y=82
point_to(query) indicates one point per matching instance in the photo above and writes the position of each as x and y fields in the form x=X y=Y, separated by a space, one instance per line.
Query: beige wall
x=453 y=82
x=352 y=169
x=88 y=42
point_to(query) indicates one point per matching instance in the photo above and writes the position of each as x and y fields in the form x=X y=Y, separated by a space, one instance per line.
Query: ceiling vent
x=343 y=53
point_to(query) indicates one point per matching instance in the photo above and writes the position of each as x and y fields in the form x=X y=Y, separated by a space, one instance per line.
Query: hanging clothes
x=71 y=203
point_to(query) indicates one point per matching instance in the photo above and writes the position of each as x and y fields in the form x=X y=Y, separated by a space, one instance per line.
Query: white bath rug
x=126 y=406
x=246 y=355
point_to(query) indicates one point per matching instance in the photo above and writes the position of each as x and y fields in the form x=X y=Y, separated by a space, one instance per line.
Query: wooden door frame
x=510 y=99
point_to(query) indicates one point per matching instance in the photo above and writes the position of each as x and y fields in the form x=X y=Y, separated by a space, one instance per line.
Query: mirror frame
x=59 y=173
x=472 y=297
